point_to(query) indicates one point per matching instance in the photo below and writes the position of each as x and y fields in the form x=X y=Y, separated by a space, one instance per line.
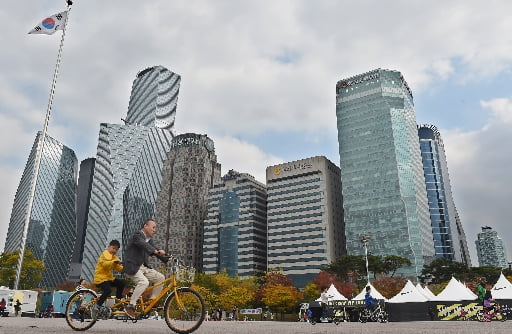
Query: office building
x=124 y=151
x=154 y=98
x=304 y=217
x=235 y=230
x=490 y=249
x=448 y=233
x=83 y=199
x=189 y=172
x=51 y=229
x=384 y=193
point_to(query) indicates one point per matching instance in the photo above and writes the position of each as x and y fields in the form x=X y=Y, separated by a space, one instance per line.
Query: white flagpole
x=39 y=155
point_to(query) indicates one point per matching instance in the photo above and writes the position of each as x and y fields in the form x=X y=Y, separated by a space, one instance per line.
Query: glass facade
x=189 y=171
x=304 y=217
x=51 y=230
x=127 y=164
x=449 y=237
x=154 y=98
x=383 y=184
x=490 y=249
x=235 y=230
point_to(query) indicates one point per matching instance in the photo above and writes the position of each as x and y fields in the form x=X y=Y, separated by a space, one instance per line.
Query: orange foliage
x=389 y=286
x=324 y=278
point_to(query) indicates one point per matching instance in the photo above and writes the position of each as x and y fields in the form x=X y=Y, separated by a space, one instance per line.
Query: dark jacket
x=137 y=253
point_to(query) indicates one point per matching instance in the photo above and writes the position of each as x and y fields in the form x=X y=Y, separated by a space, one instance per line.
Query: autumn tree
x=238 y=296
x=311 y=292
x=389 y=286
x=281 y=298
x=324 y=278
x=31 y=271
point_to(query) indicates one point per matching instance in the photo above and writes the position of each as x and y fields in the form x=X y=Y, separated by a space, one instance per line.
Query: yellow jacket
x=105 y=266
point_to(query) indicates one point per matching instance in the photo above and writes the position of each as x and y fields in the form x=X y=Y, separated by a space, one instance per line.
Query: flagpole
x=39 y=154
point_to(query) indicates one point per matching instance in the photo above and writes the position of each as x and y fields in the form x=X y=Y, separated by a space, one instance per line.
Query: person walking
x=136 y=266
x=17 y=307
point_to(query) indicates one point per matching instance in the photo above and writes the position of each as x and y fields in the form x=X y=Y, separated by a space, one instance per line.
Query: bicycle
x=184 y=309
x=377 y=315
x=497 y=313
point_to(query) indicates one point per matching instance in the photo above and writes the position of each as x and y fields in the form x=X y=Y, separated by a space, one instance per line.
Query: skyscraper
x=123 y=152
x=490 y=249
x=190 y=170
x=51 y=229
x=83 y=200
x=449 y=237
x=154 y=98
x=235 y=230
x=304 y=217
x=384 y=191
x=126 y=154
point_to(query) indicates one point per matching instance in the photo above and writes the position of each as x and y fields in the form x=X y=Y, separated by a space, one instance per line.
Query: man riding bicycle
x=136 y=265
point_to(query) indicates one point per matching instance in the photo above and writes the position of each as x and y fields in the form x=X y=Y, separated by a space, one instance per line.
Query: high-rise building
x=83 y=200
x=384 y=193
x=235 y=230
x=123 y=152
x=189 y=172
x=154 y=98
x=449 y=237
x=304 y=217
x=490 y=249
x=51 y=229
x=127 y=154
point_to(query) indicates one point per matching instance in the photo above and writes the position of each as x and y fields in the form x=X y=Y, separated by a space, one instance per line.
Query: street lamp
x=364 y=238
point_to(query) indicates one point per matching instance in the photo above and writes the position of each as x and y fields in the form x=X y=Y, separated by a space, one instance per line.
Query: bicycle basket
x=185 y=274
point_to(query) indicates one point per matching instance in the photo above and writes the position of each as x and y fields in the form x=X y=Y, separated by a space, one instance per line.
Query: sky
x=258 y=77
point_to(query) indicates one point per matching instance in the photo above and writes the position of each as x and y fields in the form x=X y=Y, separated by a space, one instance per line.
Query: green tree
x=392 y=262
x=346 y=263
x=442 y=269
x=31 y=271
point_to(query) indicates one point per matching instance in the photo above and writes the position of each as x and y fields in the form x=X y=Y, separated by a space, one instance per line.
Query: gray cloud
x=247 y=68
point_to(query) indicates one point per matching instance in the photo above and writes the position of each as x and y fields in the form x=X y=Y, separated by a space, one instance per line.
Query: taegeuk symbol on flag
x=51 y=24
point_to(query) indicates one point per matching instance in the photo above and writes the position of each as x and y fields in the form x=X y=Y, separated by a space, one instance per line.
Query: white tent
x=429 y=293
x=455 y=291
x=502 y=289
x=375 y=294
x=424 y=292
x=408 y=294
x=336 y=295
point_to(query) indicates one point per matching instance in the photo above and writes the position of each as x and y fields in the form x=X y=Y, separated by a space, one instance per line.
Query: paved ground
x=59 y=326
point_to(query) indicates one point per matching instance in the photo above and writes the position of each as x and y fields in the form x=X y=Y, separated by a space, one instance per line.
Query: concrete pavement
x=11 y=325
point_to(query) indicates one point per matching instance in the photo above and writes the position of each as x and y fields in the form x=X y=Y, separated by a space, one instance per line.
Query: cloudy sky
x=259 y=78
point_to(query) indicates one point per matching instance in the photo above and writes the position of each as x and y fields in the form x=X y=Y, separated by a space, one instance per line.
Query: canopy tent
x=375 y=294
x=455 y=291
x=427 y=294
x=502 y=289
x=408 y=294
x=332 y=291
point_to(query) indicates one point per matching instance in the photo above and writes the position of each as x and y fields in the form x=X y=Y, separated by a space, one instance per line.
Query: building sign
x=348 y=83
x=294 y=166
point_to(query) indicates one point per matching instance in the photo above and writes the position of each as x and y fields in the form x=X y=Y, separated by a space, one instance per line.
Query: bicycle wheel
x=364 y=315
x=78 y=310
x=184 y=310
x=382 y=317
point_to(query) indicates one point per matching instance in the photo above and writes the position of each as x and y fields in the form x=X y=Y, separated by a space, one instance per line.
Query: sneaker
x=94 y=311
x=130 y=311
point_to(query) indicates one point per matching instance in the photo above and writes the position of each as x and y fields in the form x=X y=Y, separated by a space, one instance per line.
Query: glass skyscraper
x=384 y=191
x=449 y=237
x=490 y=249
x=154 y=98
x=123 y=153
x=190 y=170
x=128 y=163
x=235 y=230
x=51 y=230
x=304 y=217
